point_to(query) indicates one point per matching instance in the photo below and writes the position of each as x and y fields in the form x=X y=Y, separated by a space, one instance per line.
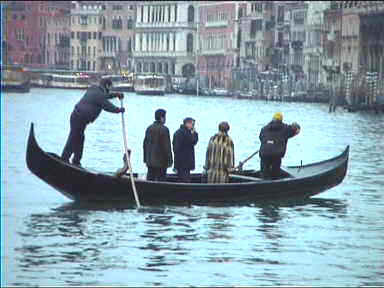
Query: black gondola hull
x=83 y=185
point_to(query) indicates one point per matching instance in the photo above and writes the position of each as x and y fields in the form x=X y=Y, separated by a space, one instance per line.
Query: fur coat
x=220 y=157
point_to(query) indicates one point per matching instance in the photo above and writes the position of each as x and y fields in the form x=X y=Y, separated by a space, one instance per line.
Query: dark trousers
x=75 y=141
x=270 y=167
x=184 y=175
x=156 y=174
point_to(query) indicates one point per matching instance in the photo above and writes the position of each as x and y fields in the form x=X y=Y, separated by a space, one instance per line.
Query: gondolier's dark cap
x=160 y=113
x=104 y=82
x=188 y=119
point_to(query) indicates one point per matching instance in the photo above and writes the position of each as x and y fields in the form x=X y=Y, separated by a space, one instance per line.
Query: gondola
x=83 y=185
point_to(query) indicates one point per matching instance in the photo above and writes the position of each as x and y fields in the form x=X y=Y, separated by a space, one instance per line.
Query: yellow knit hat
x=278 y=116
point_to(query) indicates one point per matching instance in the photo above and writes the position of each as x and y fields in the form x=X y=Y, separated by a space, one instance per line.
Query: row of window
x=84 y=65
x=81 y=35
x=298 y=36
x=251 y=50
x=153 y=68
x=217 y=16
x=257 y=7
x=155 y=41
x=159 y=13
x=19 y=34
x=216 y=42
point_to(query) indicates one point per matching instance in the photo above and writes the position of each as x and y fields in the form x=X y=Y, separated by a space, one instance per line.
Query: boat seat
x=246 y=178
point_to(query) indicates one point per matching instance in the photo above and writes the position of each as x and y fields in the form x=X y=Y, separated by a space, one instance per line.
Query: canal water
x=333 y=239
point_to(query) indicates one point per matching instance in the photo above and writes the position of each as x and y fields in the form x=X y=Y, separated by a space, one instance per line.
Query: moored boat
x=121 y=82
x=14 y=79
x=50 y=80
x=150 y=84
x=81 y=184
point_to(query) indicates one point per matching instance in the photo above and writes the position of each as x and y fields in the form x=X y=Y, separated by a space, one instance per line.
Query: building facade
x=86 y=35
x=118 y=36
x=58 y=33
x=313 y=45
x=25 y=28
x=258 y=35
x=220 y=38
x=165 y=40
x=298 y=22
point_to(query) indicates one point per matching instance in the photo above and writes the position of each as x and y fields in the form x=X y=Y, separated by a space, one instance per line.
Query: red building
x=219 y=38
x=25 y=31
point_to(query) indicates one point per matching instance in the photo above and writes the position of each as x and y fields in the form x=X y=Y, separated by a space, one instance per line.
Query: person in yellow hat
x=274 y=138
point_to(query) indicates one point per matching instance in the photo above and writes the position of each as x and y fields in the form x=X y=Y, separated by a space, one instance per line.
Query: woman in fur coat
x=220 y=156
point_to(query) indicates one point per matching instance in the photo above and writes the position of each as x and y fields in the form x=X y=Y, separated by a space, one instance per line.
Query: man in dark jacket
x=274 y=138
x=86 y=111
x=184 y=141
x=157 y=148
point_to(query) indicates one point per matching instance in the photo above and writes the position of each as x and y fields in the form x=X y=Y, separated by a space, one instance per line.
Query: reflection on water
x=78 y=237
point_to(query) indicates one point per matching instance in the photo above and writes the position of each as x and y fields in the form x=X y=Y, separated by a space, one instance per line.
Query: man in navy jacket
x=184 y=141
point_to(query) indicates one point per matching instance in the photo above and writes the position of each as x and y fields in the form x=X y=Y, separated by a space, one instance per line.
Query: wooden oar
x=128 y=158
x=240 y=166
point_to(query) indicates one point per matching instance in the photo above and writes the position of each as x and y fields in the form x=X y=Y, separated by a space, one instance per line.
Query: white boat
x=121 y=82
x=48 y=80
x=220 y=92
x=150 y=84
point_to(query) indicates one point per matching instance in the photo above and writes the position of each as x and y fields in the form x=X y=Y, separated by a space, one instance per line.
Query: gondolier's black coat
x=184 y=142
x=94 y=100
x=86 y=111
x=279 y=133
x=157 y=146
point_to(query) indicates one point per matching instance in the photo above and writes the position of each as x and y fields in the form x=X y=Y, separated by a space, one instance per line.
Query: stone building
x=165 y=40
x=58 y=33
x=86 y=35
x=220 y=38
x=258 y=36
x=298 y=22
x=313 y=46
x=25 y=28
x=118 y=23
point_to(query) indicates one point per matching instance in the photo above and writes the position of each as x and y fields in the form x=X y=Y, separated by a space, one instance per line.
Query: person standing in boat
x=274 y=138
x=157 y=148
x=184 y=141
x=86 y=111
x=220 y=156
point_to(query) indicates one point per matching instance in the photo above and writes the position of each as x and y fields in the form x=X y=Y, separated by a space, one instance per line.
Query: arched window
x=190 y=43
x=159 y=67
x=152 y=68
x=166 y=68
x=145 y=67
x=139 y=67
x=129 y=45
x=191 y=14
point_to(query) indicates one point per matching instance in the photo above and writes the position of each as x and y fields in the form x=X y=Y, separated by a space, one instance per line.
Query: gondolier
x=86 y=111
x=274 y=138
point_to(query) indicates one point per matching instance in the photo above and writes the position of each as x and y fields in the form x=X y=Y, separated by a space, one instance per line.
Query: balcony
x=214 y=24
x=109 y=54
x=163 y=54
x=155 y=25
x=213 y=52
